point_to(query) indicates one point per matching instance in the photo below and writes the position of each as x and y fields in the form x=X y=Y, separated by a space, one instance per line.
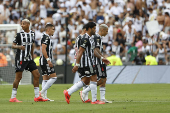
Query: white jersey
x=161 y=53
x=138 y=24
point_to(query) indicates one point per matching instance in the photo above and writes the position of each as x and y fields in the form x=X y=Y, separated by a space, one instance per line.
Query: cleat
x=40 y=99
x=98 y=102
x=49 y=99
x=106 y=101
x=67 y=96
x=88 y=101
x=14 y=100
x=82 y=96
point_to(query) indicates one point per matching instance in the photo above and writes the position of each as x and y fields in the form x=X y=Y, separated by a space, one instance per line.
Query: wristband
x=47 y=59
x=101 y=58
x=78 y=65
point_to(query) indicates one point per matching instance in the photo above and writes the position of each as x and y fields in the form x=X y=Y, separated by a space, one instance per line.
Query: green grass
x=132 y=98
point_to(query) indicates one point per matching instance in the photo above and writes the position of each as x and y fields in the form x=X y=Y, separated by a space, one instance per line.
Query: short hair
x=90 y=25
x=103 y=26
x=26 y=20
x=84 y=27
x=48 y=26
x=166 y=13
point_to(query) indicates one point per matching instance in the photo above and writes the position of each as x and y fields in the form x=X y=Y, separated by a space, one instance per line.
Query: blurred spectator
x=139 y=59
x=150 y=60
x=167 y=23
x=133 y=52
x=139 y=44
x=3 y=60
x=161 y=54
x=114 y=60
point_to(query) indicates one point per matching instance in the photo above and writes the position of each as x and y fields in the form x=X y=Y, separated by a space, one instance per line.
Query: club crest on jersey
x=87 y=72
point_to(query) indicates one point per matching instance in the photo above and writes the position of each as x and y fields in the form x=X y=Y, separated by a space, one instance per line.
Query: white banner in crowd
x=153 y=27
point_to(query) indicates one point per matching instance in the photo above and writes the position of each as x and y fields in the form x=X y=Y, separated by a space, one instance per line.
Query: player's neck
x=27 y=30
x=47 y=33
x=89 y=33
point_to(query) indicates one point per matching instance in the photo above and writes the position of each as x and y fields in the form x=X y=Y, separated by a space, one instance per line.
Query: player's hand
x=75 y=68
x=106 y=61
x=22 y=47
x=49 y=63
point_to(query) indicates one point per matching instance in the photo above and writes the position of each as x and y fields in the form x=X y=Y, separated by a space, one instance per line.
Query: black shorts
x=101 y=71
x=46 y=70
x=20 y=66
x=86 y=71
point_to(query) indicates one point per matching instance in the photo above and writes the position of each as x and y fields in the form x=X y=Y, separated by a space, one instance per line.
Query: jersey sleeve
x=84 y=42
x=33 y=39
x=97 y=41
x=17 y=38
x=45 y=40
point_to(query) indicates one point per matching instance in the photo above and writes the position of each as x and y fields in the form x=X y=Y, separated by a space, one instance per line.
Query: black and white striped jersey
x=87 y=59
x=24 y=39
x=77 y=45
x=45 y=39
x=98 y=44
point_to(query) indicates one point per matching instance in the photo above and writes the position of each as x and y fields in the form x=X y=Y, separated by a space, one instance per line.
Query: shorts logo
x=87 y=72
x=20 y=63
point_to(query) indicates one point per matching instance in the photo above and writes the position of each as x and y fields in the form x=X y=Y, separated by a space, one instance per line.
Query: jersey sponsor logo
x=27 y=43
x=87 y=72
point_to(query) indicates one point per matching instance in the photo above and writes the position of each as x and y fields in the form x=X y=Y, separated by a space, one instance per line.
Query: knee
x=18 y=78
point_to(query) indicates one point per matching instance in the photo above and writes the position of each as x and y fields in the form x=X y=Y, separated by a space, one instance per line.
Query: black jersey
x=87 y=59
x=45 y=39
x=98 y=44
x=24 y=39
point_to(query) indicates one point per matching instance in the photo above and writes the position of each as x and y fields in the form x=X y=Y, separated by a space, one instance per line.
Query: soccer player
x=23 y=42
x=85 y=65
x=100 y=66
x=45 y=60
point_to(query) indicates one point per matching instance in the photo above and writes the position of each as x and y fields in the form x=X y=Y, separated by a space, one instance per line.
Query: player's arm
x=45 y=41
x=44 y=52
x=98 y=55
x=97 y=52
x=16 y=41
x=32 y=51
x=83 y=44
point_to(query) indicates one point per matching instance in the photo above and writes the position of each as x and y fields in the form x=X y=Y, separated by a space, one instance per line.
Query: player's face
x=24 y=25
x=93 y=30
x=52 y=29
x=105 y=32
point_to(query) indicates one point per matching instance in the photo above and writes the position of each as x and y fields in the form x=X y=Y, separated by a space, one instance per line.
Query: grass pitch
x=128 y=98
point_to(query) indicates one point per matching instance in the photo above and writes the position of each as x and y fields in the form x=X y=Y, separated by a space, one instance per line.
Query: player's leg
x=20 y=66
x=44 y=81
x=33 y=69
x=53 y=78
x=84 y=80
x=18 y=77
x=86 y=87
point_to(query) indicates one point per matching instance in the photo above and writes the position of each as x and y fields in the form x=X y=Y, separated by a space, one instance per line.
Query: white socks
x=36 y=92
x=48 y=84
x=14 y=93
x=75 y=87
x=86 y=94
x=93 y=86
x=102 y=93
x=43 y=84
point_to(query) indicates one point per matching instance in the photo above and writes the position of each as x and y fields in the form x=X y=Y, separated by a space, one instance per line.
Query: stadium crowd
x=128 y=37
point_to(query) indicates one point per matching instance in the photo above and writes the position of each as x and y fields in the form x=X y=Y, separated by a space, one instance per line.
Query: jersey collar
x=47 y=34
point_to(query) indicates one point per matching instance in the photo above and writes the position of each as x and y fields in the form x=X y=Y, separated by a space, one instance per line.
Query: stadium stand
x=126 y=20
